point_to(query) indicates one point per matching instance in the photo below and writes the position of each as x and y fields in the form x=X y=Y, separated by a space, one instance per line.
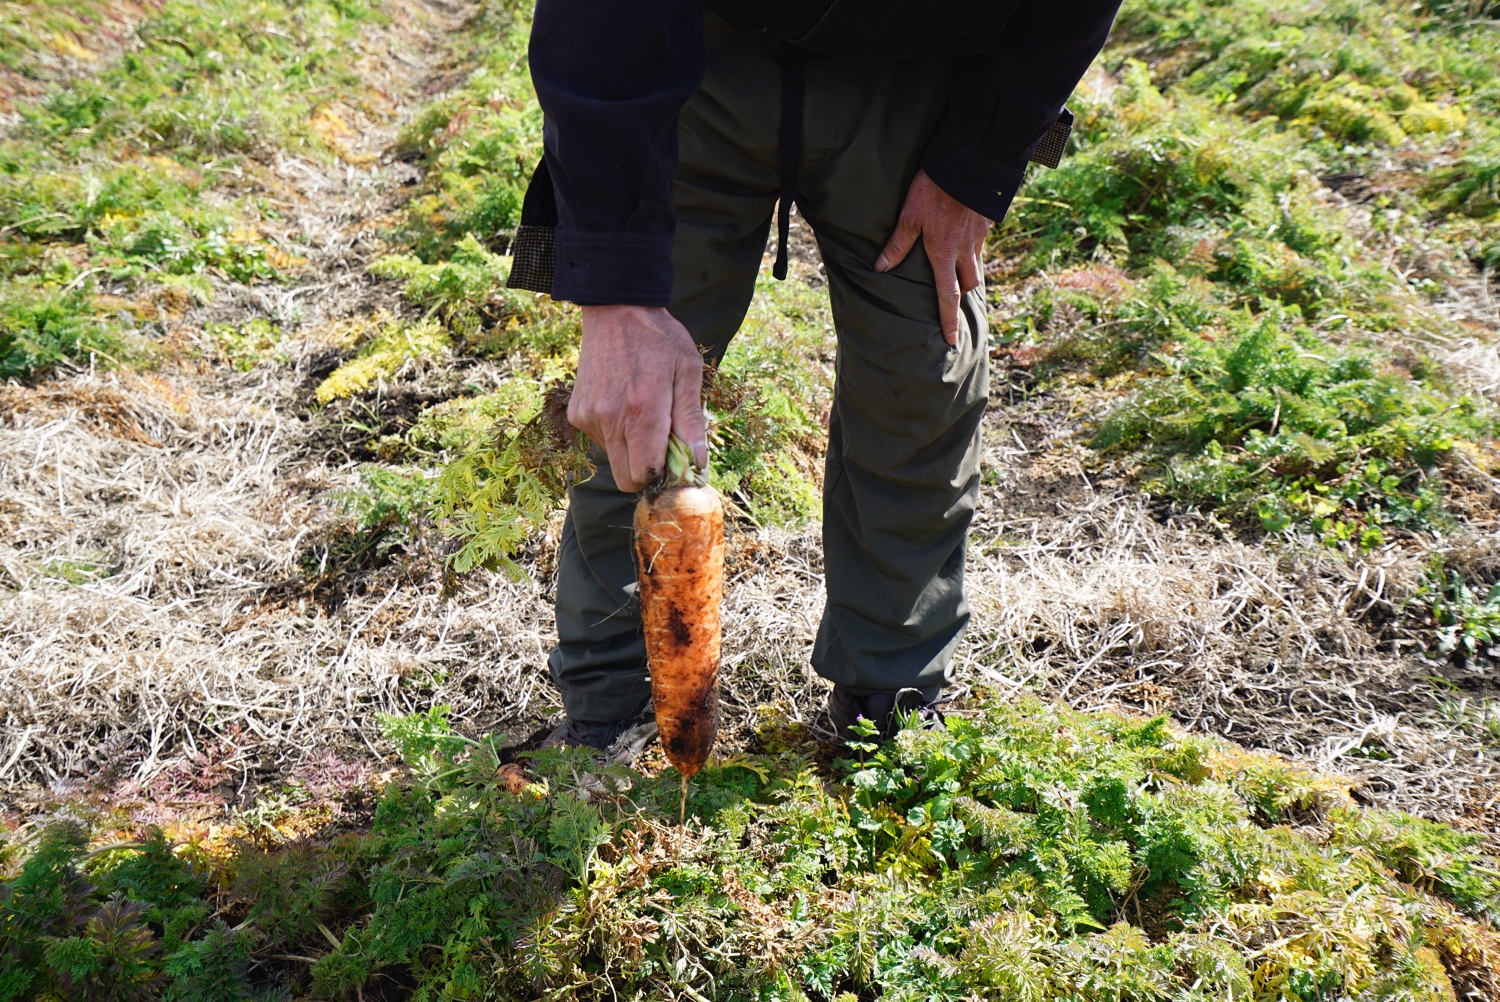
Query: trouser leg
x=903 y=454
x=599 y=663
x=724 y=191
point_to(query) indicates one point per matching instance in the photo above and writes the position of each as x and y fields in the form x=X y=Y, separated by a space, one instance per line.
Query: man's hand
x=639 y=377
x=953 y=236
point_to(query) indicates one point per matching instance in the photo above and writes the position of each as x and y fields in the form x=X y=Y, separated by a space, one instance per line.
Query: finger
x=687 y=408
x=949 y=296
x=576 y=416
x=899 y=245
x=583 y=418
x=970 y=273
x=646 y=437
x=619 y=465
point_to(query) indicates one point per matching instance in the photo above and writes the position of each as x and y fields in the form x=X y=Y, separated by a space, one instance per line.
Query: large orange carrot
x=679 y=539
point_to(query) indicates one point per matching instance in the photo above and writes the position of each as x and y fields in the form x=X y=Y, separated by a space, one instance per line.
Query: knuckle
x=642 y=403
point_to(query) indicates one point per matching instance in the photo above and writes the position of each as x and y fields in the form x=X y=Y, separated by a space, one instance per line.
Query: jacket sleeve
x=1003 y=102
x=611 y=76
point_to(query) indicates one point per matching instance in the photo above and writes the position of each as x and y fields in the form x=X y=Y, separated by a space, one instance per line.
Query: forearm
x=611 y=79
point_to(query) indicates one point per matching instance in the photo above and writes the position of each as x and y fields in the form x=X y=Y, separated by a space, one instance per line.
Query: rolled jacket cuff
x=607 y=269
x=984 y=185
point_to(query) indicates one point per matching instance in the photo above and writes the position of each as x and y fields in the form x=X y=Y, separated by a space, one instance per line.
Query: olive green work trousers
x=903 y=453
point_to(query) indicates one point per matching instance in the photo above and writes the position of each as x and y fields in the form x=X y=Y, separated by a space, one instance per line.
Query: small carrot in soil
x=679 y=540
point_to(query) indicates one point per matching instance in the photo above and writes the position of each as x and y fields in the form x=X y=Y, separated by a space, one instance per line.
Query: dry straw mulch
x=154 y=525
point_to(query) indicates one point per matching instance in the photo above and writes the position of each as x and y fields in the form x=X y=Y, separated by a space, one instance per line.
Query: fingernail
x=880 y=264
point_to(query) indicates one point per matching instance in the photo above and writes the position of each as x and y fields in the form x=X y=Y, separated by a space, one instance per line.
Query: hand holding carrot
x=640 y=379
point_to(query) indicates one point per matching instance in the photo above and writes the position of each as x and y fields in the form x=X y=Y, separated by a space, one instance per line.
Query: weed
x=384 y=496
x=457 y=289
x=78 y=569
x=494 y=496
x=386 y=520
x=1261 y=416
x=392 y=348
x=765 y=398
x=246 y=345
x=212 y=79
x=1467 y=621
x=1480 y=717
x=1267 y=419
x=463 y=424
x=112 y=177
x=45 y=31
x=1215 y=257
x=42 y=326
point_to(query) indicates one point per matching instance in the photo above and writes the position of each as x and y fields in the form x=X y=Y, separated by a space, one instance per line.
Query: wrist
x=986 y=186
x=609 y=309
x=619 y=316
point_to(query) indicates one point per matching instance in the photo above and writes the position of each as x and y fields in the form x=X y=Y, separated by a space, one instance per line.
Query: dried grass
x=172 y=645
x=1079 y=592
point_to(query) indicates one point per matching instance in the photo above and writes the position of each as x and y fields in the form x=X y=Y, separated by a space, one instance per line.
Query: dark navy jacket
x=612 y=76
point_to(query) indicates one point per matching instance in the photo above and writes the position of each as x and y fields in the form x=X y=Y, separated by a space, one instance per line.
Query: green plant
x=1467 y=620
x=119 y=176
x=1026 y=851
x=47 y=898
x=481 y=142
x=387 y=512
x=1260 y=416
x=463 y=290
x=494 y=496
x=31 y=34
x=246 y=345
x=765 y=397
x=42 y=326
x=116 y=958
x=212 y=80
x=462 y=424
x=1480 y=717
x=214 y=967
x=395 y=345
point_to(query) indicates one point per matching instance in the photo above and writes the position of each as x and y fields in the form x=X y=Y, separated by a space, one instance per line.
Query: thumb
x=899 y=245
x=688 y=422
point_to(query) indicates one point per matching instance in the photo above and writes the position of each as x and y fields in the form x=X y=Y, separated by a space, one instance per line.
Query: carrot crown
x=681 y=470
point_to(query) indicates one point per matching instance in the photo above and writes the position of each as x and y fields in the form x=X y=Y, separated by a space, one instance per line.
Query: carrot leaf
x=681 y=470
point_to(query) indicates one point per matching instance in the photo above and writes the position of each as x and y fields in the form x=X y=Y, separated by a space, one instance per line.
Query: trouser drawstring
x=793 y=94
